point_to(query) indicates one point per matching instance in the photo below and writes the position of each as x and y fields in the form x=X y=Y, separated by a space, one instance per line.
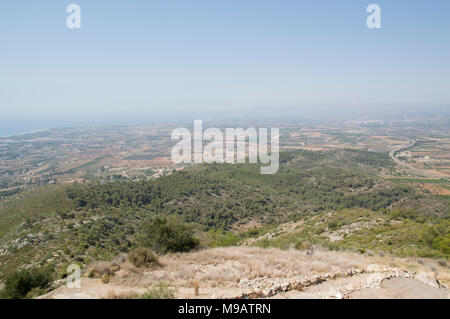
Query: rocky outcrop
x=428 y=279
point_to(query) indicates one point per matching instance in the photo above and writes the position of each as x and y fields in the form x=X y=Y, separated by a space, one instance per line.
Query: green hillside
x=227 y=204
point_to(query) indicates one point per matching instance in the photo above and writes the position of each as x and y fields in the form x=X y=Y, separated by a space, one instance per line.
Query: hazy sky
x=187 y=57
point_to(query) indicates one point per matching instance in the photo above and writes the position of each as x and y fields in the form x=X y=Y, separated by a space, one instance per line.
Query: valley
x=375 y=191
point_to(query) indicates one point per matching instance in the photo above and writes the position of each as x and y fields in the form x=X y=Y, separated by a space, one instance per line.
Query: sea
x=18 y=126
x=11 y=126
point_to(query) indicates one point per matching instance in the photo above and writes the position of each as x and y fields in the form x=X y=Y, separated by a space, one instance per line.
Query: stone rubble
x=268 y=287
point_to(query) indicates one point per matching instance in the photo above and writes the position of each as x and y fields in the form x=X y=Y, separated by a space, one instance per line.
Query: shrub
x=442 y=243
x=105 y=278
x=304 y=245
x=99 y=268
x=160 y=291
x=442 y=262
x=333 y=224
x=438 y=237
x=35 y=292
x=406 y=213
x=19 y=284
x=115 y=268
x=143 y=257
x=168 y=234
x=218 y=238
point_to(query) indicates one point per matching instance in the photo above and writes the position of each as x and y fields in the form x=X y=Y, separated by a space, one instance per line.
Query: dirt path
x=402 y=288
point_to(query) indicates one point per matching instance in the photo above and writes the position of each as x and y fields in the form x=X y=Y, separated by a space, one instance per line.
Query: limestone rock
x=427 y=279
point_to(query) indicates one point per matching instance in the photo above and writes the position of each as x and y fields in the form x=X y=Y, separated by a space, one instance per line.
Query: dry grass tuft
x=196 y=287
x=304 y=246
x=222 y=269
x=119 y=294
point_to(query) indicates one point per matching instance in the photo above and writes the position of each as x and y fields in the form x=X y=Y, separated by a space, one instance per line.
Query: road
x=414 y=170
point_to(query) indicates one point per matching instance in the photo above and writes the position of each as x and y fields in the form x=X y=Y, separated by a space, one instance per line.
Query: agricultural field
x=70 y=155
x=79 y=196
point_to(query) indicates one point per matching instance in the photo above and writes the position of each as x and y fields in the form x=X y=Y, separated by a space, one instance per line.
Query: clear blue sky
x=205 y=58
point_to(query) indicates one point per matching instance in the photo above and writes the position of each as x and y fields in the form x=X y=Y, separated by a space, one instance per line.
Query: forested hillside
x=227 y=204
